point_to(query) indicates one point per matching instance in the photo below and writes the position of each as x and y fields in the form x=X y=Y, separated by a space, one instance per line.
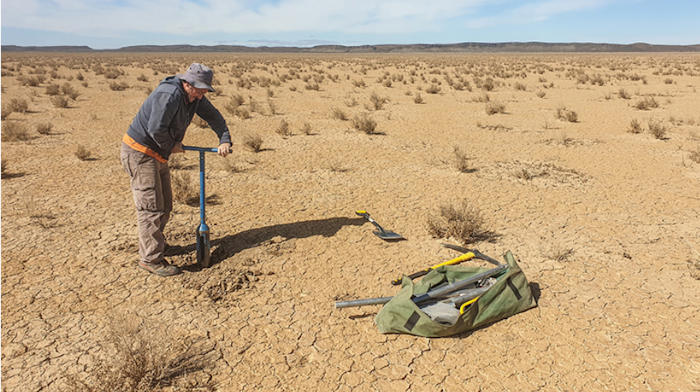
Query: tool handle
x=363 y=302
x=418 y=274
x=204 y=149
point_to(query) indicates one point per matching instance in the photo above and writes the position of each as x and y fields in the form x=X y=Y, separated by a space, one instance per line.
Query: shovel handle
x=464 y=257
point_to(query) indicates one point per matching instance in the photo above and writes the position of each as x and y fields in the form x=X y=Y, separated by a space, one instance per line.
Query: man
x=155 y=133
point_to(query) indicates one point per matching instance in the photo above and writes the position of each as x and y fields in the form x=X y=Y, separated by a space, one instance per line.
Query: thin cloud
x=533 y=12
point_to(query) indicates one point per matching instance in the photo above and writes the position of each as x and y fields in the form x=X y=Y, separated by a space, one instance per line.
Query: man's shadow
x=227 y=246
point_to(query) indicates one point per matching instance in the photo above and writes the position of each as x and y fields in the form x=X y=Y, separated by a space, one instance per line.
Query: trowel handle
x=365 y=215
x=464 y=257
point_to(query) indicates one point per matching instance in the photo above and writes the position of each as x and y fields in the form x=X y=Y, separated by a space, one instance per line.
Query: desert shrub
x=14 y=131
x=433 y=89
x=541 y=94
x=359 y=83
x=44 y=128
x=668 y=81
x=461 y=160
x=70 y=91
x=4 y=167
x=622 y=93
x=19 y=105
x=312 y=86
x=565 y=114
x=657 y=129
x=82 y=153
x=488 y=84
x=53 y=89
x=646 y=103
x=418 y=99
x=139 y=358
x=377 y=101
x=495 y=107
x=253 y=142
x=695 y=155
x=118 y=86
x=142 y=78
x=184 y=189
x=306 y=129
x=283 y=128
x=242 y=112
x=233 y=103
x=80 y=76
x=462 y=222
x=519 y=86
x=30 y=81
x=112 y=73
x=6 y=111
x=635 y=127
x=200 y=122
x=338 y=114
x=59 y=101
x=363 y=122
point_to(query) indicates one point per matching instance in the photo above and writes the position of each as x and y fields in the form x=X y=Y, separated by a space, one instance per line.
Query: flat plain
x=585 y=166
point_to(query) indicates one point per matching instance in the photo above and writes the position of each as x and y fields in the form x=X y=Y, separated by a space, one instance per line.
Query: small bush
x=495 y=107
x=635 y=127
x=4 y=167
x=363 y=122
x=306 y=129
x=283 y=128
x=462 y=222
x=14 y=131
x=53 y=89
x=488 y=84
x=200 y=122
x=44 y=128
x=19 y=105
x=184 y=189
x=118 y=86
x=418 y=99
x=541 y=94
x=565 y=114
x=69 y=91
x=59 y=101
x=377 y=101
x=657 y=129
x=253 y=142
x=622 y=93
x=433 y=89
x=142 y=78
x=6 y=111
x=338 y=114
x=232 y=104
x=82 y=153
x=646 y=104
x=461 y=160
x=695 y=155
x=242 y=112
x=519 y=86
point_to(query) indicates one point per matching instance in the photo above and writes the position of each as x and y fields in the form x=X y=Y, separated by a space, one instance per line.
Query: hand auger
x=203 y=244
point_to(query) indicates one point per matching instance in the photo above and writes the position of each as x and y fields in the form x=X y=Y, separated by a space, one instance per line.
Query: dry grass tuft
x=253 y=142
x=184 y=189
x=18 y=105
x=646 y=103
x=44 y=128
x=140 y=358
x=363 y=122
x=377 y=101
x=695 y=155
x=494 y=108
x=59 y=101
x=82 y=153
x=657 y=129
x=338 y=114
x=306 y=129
x=418 y=99
x=462 y=222
x=14 y=132
x=635 y=127
x=565 y=114
x=283 y=128
x=461 y=160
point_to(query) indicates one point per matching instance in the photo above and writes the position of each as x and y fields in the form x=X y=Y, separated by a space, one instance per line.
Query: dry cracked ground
x=586 y=167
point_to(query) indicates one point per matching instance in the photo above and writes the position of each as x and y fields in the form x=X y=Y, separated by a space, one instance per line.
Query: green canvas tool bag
x=510 y=294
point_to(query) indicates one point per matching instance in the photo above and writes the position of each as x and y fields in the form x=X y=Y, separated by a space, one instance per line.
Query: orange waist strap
x=140 y=147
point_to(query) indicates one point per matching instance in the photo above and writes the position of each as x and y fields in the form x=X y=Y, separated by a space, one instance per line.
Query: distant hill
x=465 y=47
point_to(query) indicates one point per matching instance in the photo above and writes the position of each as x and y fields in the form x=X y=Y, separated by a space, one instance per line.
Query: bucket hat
x=199 y=76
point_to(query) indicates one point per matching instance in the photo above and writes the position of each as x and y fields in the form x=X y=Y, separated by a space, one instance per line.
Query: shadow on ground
x=229 y=245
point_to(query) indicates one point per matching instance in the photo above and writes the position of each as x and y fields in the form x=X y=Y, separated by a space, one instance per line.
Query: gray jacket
x=165 y=115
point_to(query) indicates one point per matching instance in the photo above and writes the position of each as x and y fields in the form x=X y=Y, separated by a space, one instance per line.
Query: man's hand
x=177 y=148
x=224 y=149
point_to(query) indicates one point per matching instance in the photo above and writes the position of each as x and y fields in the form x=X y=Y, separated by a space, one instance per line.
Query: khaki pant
x=153 y=197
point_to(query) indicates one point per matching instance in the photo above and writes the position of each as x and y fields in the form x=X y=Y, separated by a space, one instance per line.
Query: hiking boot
x=161 y=269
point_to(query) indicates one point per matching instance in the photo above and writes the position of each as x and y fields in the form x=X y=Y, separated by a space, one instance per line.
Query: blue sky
x=111 y=24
